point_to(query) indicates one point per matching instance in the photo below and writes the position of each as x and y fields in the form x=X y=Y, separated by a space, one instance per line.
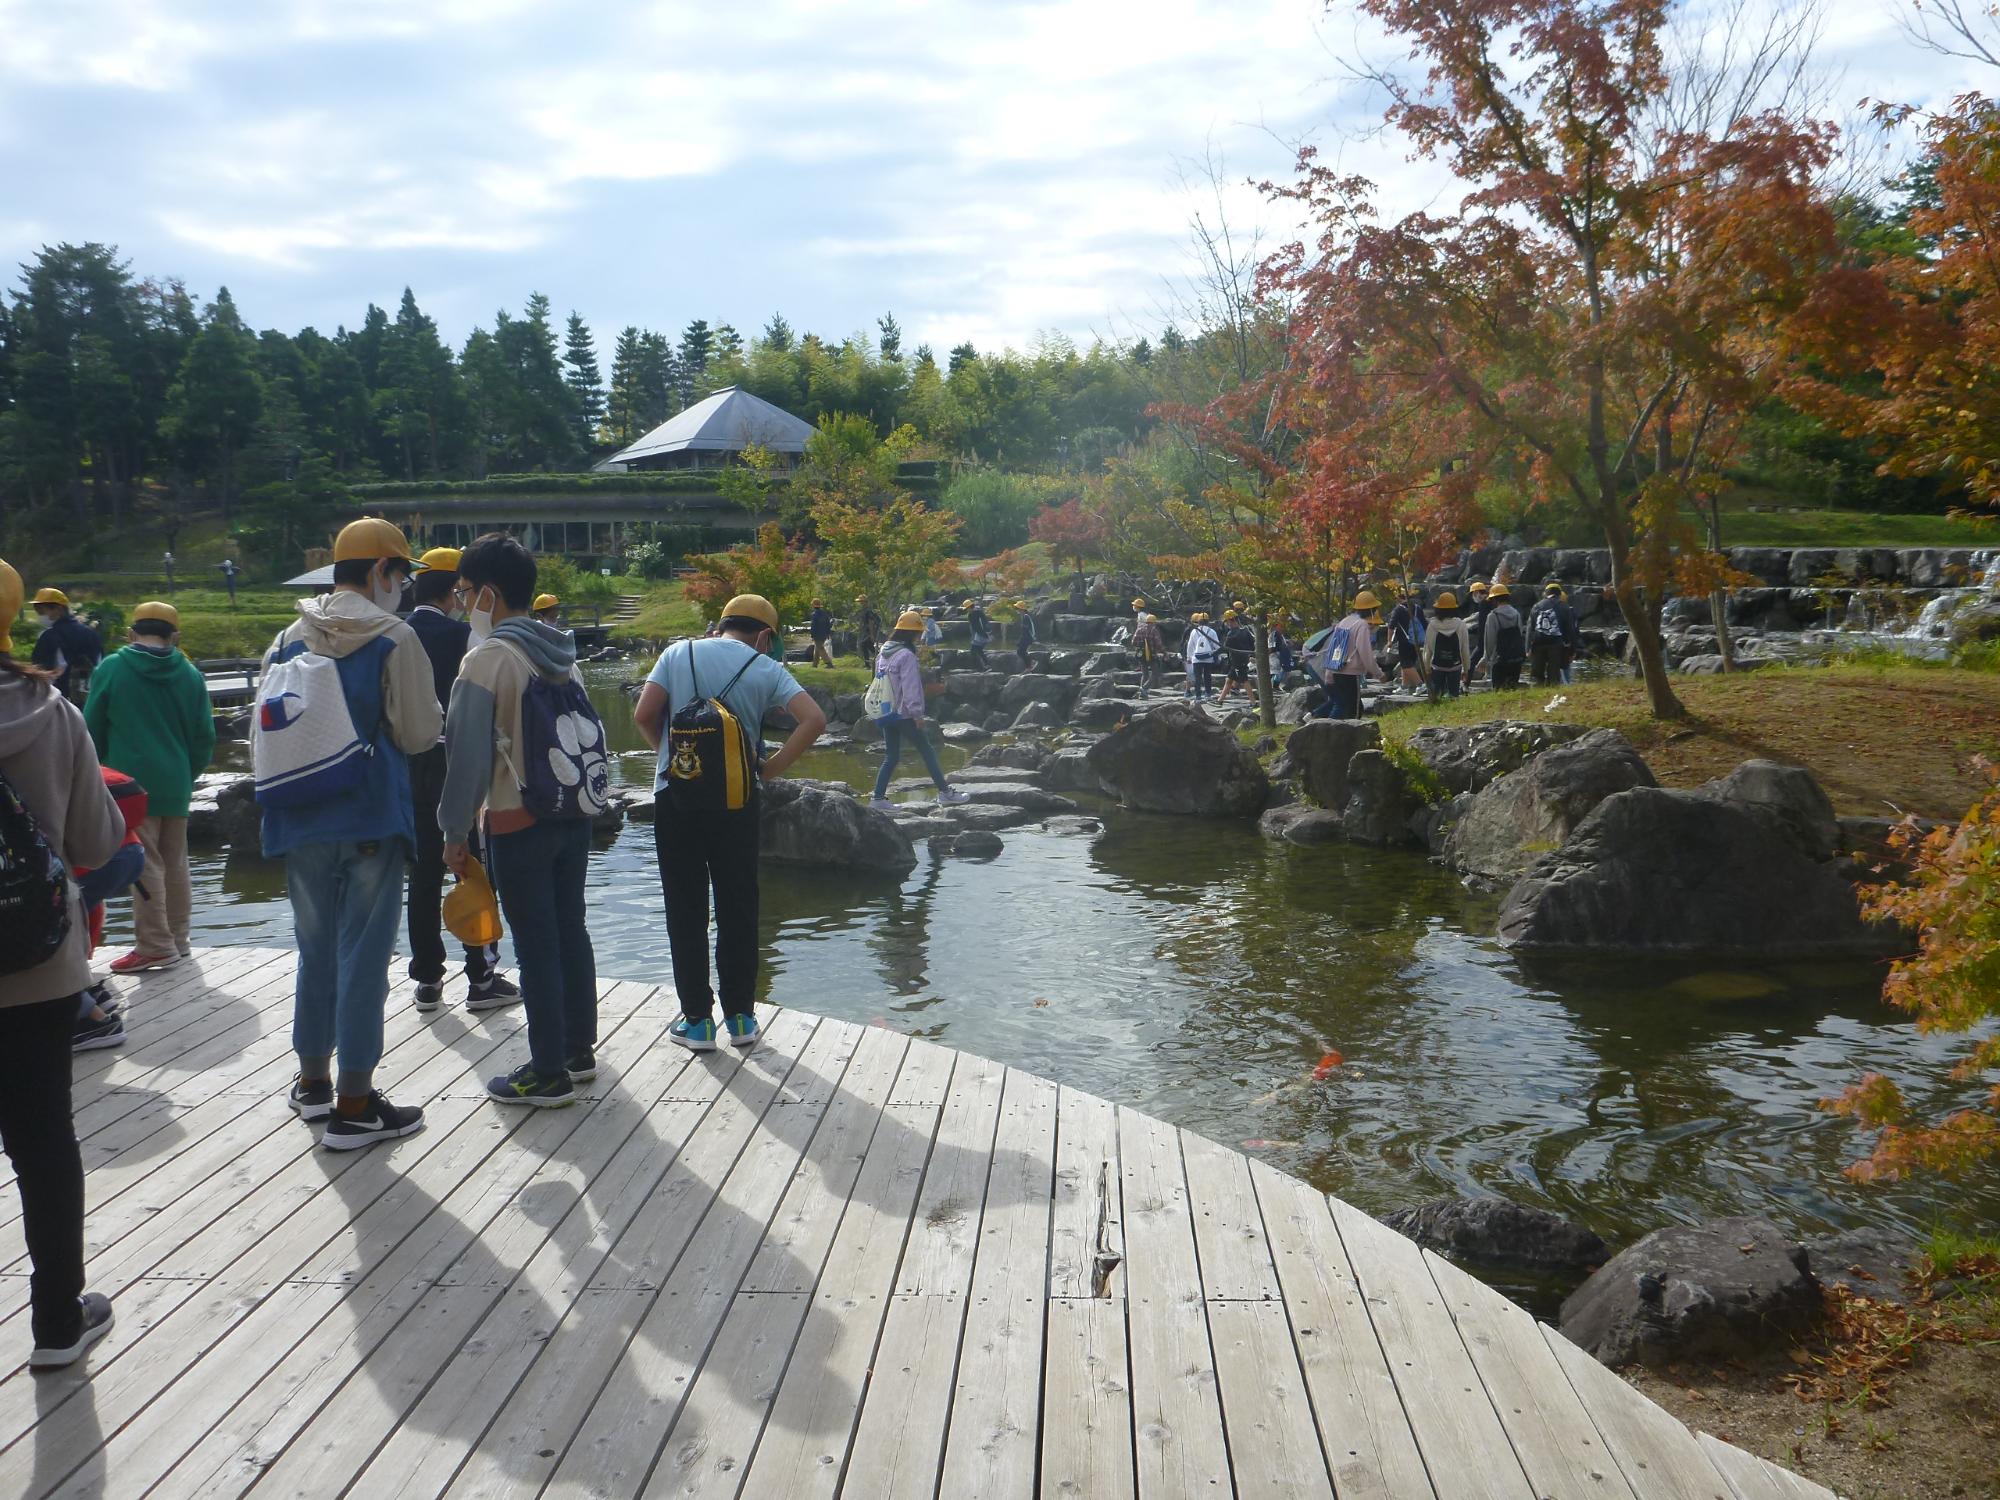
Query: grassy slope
x=1880 y=739
x=1848 y=528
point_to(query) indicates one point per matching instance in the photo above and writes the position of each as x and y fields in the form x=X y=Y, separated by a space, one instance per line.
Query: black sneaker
x=312 y=1101
x=99 y=995
x=525 y=1086
x=96 y=1308
x=493 y=994
x=582 y=1066
x=381 y=1121
x=429 y=997
x=91 y=1036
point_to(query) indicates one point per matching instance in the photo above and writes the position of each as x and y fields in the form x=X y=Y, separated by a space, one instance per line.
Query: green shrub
x=1421 y=780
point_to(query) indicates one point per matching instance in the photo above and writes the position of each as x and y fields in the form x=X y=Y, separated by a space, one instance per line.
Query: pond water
x=1198 y=971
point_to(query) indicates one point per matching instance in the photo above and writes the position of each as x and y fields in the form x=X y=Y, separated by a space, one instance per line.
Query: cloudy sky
x=984 y=168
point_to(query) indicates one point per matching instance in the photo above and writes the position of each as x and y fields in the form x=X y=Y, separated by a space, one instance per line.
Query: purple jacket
x=906 y=679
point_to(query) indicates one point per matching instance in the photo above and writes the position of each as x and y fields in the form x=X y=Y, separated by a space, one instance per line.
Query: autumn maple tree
x=1951 y=899
x=1597 y=310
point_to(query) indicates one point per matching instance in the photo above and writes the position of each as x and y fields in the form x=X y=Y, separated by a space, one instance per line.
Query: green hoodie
x=149 y=717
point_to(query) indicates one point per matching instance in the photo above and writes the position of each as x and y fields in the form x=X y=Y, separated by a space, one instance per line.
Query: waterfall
x=1934 y=622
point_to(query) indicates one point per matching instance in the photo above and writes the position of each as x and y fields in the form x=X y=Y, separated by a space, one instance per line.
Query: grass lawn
x=1853 y=528
x=1882 y=740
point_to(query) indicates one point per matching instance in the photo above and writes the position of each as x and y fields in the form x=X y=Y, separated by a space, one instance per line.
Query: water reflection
x=1196 y=971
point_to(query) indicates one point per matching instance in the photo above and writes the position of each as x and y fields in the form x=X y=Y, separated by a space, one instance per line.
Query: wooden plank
x=899 y=1440
x=1364 y=1430
x=812 y=1418
x=1553 y=1435
x=990 y=1443
x=1754 y=1478
x=1084 y=1227
x=1274 y=1443
x=1177 y=1413
x=1087 y=1412
x=619 y=1441
x=299 y=1417
x=1228 y=1226
x=1660 y=1457
x=1464 y=1445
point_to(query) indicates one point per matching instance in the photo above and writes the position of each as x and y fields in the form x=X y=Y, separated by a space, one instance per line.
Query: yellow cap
x=1138 y=603
x=10 y=602
x=1479 y=588
x=1498 y=591
x=909 y=619
x=369 y=539
x=153 y=609
x=1239 y=604
x=966 y=605
x=1365 y=603
x=1152 y=619
x=545 y=601
x=1552 y=587
x=51 y=596
x=751 y=607
x=1229 y=614
x=440 y=560
x=1446 y=600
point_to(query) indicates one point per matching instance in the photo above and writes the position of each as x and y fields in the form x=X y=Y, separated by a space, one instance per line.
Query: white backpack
x=303 y=744
x=879 y=702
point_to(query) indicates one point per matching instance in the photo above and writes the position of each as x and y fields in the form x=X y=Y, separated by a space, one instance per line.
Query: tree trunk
x=1718 y=608
x=1267 y=711
x=1642 y=619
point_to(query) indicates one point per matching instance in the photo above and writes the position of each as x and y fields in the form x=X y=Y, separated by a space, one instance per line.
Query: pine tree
x=728 y=342
x=584 y=380
x=891 y=343
x=623 y=408
x=778 y=333
x=213 y=407
x=659 y=380
x=416 y=391
x=962 y=356
x=697 y=343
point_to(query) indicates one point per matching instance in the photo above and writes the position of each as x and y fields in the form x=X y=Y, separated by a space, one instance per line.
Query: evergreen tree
x=212 y=409
x=697 y=344
x=962 y=356
x=417 y=391
x=891 y=343
x=778 y=333
x=585 y=381
x=925 y=356
x=659 y=381
x=728 y=342
x=624 y=409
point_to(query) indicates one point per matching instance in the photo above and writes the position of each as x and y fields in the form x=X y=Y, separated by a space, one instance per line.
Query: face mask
x=480 y=619
x=386 y=596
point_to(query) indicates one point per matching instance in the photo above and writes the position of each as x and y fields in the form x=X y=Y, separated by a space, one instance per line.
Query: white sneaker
x=951 y=796
x=881 y=804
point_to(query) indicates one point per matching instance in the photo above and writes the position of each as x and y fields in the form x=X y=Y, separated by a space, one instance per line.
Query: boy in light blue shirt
x=700 y=847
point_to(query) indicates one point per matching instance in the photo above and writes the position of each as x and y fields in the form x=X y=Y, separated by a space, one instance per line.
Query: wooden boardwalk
x=849 y=1263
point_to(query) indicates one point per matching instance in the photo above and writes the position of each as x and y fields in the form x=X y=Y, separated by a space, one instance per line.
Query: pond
x=1198 y=971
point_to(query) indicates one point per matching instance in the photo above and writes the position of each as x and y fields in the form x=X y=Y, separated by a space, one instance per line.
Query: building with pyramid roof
x=712 y=433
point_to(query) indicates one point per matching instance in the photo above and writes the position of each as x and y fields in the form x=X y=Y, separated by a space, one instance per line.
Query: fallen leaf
x=1040 y=1003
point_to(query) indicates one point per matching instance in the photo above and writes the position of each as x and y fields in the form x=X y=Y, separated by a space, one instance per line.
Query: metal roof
x=727 y=422
x=318 y=578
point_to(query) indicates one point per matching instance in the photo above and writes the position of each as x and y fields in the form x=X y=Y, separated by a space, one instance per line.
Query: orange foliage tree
x=1603 y=301
x=787 y=575
x=1072 y=532
x=1951 y=984
x=1915 y=339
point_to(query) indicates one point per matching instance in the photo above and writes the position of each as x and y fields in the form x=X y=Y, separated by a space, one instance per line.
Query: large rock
x=1976 y=622
x=1380 y=805
x=1788 y=799
x=1038 y=687
x=1875 y=1263
x=964 y=734
x=1300 y=704
x=1476 y=755
x=1300 y=823
x=1318 y=753
x=1107 y=713
x=1024 y=756
x=1656 y=871
x=1734 y=1288
x=1071 y=770
x=975 y=687
x=1178 y=760
x=1494 y=1232
x=1017 y=794
x=1530 y=812
x=238 y=818
x=805 y=825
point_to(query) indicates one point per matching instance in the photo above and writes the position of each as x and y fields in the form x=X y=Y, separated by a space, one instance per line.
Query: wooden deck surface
x=848 y=1263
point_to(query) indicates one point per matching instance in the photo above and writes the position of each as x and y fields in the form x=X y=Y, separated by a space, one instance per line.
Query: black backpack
x=1512 y=644
x=710 y=765
x=1444 y=650
x=34 y=888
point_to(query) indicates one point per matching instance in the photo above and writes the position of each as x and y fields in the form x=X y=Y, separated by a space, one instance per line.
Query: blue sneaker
x=525 y=1086
x=743 y=1030
x=696 y=1036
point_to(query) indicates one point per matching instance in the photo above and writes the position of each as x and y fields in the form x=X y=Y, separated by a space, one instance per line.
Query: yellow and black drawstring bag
x=710 y=764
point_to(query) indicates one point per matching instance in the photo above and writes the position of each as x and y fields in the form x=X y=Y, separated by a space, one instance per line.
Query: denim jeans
x=347 y=901
x=1343 y=696
x=539 y=874
x=113 y=876
x=894 y=732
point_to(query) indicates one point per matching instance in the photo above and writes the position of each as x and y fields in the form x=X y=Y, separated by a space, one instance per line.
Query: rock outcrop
x=1504 y=828
x=1319 y=754
x=808 y=825
x=1505 y=1236
x=1300 y=823
x=1178 y=760
x=1729 y=1289
x=1474 y=756
x=1379 y=801
x=1656 y=871
x=1787 y=799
